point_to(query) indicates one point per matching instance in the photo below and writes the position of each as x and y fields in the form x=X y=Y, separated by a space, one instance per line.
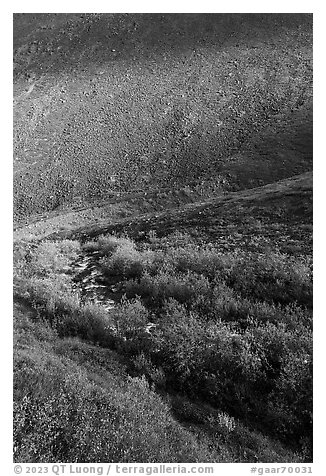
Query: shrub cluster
x=60 y=415
x=230 y=329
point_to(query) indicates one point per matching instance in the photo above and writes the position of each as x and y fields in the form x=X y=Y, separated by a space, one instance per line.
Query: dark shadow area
x=148 y=100
x=51 y=43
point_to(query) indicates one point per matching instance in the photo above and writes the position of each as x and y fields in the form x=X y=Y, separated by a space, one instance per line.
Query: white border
x=319 y=466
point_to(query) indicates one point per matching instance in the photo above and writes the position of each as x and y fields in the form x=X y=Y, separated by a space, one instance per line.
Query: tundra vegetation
x=163 y=235
x=207 y=353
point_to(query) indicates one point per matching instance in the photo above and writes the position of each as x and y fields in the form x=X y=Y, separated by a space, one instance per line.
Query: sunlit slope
x=121 y=102
x=278 y=215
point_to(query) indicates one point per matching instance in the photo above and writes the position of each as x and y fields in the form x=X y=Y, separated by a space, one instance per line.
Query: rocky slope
x=111 y=103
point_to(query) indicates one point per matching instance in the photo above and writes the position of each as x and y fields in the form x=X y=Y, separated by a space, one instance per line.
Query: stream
x=91 y=282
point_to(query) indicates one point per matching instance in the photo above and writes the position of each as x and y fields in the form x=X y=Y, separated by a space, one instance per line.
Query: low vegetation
x=162 y=256
x=218 y=341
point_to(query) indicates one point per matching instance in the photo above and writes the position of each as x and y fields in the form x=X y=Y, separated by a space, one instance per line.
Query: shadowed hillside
x=106 y=103
x=163 y=285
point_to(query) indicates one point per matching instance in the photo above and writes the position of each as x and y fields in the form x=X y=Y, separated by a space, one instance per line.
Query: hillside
x=113 y=103
x=229 y=277
x=163 y=191
x=281 y=210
